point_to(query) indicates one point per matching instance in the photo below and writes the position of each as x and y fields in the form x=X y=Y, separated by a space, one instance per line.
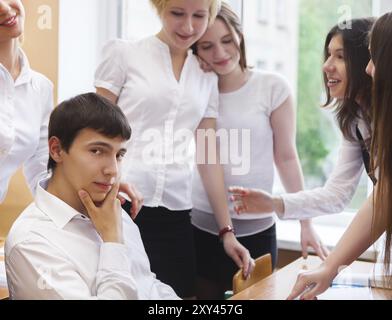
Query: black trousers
x=168 y=239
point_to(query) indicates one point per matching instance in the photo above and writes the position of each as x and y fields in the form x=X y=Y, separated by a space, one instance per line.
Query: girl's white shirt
x=245 y=115
x=163 y=113
x=25 y=107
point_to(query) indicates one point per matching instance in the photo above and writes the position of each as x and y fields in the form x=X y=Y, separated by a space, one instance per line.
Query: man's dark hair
x=86 y=111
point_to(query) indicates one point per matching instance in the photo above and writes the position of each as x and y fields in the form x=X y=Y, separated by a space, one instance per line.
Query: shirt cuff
x=108 y=86
x=290 y=208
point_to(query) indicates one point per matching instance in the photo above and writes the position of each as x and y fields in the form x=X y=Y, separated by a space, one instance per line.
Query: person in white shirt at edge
x=260 y=102
x=26 y=100
x=348 y=88
x=167 y=99
x=375 y=216
x=75 y=241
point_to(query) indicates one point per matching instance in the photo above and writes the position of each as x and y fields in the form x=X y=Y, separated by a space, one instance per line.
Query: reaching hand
x=310 y=238
x=107 y=218
x=252 y=200
x=311 y=284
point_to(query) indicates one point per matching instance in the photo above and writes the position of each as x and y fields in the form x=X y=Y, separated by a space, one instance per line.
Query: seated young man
x=74 y=241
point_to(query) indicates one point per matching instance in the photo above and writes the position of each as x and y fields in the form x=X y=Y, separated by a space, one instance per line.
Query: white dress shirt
x=25 y=106
x=339 y=189
x=54 y=252
x=248 y=111
x=163 y=114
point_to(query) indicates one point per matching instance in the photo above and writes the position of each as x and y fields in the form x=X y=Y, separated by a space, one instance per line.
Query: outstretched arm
x=356 y=239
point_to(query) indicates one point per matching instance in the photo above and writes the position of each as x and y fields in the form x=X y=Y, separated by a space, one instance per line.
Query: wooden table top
x=279 y=285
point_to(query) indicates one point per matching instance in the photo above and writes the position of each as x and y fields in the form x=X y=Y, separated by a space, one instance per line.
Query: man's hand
x=107 y=218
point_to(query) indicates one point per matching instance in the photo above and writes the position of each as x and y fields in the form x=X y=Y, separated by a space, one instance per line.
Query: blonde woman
x=25 y=104
x=163 y=92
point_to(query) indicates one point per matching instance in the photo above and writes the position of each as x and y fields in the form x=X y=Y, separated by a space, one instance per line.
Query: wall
x=84 y=27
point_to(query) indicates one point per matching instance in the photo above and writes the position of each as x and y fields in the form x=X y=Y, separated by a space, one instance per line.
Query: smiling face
x=92 y=163
x=335 y=68
x=219 y=48
x=12 y=17
x=184 y=22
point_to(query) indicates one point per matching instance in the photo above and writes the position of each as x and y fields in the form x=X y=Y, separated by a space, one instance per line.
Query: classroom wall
x=40 y=42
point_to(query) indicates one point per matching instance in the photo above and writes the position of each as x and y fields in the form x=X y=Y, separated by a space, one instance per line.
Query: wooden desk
x=279 y=285
x=3 y=291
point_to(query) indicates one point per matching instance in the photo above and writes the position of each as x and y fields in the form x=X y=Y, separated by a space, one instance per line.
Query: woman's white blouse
x=163 y=113
x=25 y=106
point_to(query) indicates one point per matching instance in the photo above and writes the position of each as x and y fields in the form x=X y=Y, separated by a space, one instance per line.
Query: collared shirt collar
x=56 y=209
x=165 y=46
x=25 y=75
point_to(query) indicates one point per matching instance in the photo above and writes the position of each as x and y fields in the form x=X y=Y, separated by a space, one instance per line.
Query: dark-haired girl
x=375 y=216
x=348 y=89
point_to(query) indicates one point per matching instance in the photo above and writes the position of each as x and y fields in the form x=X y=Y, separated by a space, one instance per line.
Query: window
x=281 y=13
x=236 y=5
x=84 y=27
x=262 y=65
x=279 y=67
x=263 y=11
x=292 y=45
x=140 y=19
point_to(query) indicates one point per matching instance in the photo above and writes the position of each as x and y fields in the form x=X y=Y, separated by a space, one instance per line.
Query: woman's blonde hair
x=215 y=6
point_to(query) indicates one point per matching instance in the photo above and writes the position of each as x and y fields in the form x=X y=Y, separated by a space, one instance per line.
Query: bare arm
x=213 y=181
x=356 y=239
x=107 y=94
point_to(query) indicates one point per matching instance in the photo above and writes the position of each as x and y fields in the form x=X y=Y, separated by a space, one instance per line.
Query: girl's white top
x=25 y=106
x=246 y=146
